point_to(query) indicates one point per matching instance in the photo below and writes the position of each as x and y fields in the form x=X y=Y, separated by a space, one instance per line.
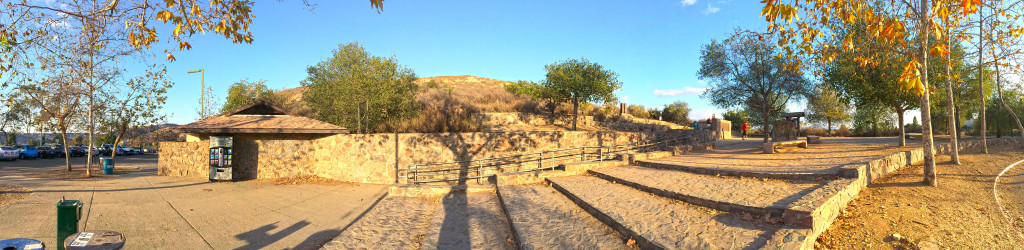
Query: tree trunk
x=767 y=125
x=575 y=113
x=926 y=115
x=953 y=146
x=67 y=154
x=903 y=131
x=959 y=124
x=999 y=91
x=829 y=127
x=981 y=79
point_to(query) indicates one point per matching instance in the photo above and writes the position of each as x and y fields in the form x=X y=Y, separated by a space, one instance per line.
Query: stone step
x=469 y=221
x=544 y=219
x=394 y=223
x=656 y=222
x=732 y=194
x=672 y=163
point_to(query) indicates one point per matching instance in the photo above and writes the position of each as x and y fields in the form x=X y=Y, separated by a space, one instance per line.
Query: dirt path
x=960 y=213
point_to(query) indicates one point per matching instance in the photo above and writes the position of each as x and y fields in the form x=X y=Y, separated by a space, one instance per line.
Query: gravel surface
x=668 y=223
x=546 y=219
x=827 y=157
x=395 y=223
x=753 y=192
x=959 y=213
x=469 y=221
x=11 y=193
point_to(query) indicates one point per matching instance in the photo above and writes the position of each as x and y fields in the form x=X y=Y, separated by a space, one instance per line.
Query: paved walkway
x=545 y=219
x=160 y=212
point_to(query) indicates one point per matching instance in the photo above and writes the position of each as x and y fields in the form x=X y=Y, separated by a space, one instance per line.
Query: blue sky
x=653 y=45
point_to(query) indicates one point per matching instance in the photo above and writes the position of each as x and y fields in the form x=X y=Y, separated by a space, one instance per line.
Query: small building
x=268 y=142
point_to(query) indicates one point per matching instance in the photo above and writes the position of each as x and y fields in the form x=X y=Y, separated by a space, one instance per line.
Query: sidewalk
x=160 y=212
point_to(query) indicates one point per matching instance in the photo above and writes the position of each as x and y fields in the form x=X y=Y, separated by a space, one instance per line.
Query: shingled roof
x=260 y=118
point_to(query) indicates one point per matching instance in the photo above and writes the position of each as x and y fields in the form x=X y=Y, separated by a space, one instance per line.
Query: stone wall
x=187 y=159
x=374 y=158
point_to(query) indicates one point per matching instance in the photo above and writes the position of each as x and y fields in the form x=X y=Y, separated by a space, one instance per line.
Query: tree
x=867 y=119
x=535 y=91
x=738 y=118
x=747 y=70
x=245 y=92
x=136 y=105
x=11 y=138
x=78 y=140
x=16 y=113
x=58 y=99
x=825 y=106
x=355 y=89
x=677 y=112
x=886 y=23
x=208 y=103
x=578 y=81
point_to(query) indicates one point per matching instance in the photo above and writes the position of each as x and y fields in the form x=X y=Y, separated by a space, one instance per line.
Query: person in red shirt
x=744 y=131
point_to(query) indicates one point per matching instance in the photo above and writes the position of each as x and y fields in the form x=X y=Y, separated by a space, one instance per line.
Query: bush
x=843 y=131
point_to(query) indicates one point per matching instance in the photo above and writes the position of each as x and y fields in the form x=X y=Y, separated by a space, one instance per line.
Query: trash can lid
x=21 y=244
x=95 y=240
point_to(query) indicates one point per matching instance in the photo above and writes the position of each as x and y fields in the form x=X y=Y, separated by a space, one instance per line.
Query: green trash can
x=69 y=212
x=108 y=165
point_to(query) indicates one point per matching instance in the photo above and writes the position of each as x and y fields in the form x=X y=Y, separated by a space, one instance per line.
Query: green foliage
x=432 y=84
x=12 y=138
x=360 y=91
x=579 y=81
x=826 y=107
x=747 y=70
x=737 y=117
x=997 y=119
x=873 y=120
x=638 y=111
x=677 y=112
x=78 y=140
x=245 y=92
x=33 y=142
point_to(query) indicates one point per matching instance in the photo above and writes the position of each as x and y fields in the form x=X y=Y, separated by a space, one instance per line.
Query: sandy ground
x=11 y=193
x=960 y=213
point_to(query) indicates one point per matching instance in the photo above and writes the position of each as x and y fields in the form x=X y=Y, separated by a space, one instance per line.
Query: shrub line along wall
x=374 y=158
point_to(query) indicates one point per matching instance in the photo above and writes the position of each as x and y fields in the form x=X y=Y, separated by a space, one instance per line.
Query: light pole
x=202 y=91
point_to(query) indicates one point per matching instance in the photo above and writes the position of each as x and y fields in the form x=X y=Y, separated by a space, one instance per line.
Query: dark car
x=59 y=150
x=46 y=152
x=77 y=151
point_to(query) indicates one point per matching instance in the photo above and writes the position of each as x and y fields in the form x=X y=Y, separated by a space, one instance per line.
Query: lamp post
x=202 y=91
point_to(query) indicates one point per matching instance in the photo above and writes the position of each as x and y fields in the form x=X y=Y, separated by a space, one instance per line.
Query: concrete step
x=675 y=163
x=394 y=223
x=662 y=223
x=544 y=219
x=469 y=221
x=731 y=194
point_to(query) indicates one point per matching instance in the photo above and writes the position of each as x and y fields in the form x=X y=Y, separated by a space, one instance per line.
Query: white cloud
x=703 y=114
x=710 y=10
x=624 y=99
x=687 y=2
x=678 y=92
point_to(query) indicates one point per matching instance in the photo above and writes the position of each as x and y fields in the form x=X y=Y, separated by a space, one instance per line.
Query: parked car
x=137 y=151
x=122 y=150
x=9 y=153
x=59 y=150
x=77 y=151
x=46 y=152
x=27 y=152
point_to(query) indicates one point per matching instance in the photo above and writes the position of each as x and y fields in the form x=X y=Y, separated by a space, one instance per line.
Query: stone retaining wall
x=182 y=159
x=374 y=158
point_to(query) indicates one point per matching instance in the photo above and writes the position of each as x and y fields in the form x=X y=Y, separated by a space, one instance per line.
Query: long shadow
x=318 y=239
x=734 y=220
x=261 y=237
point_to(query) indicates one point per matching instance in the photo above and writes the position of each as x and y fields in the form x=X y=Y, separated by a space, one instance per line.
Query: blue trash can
x=108 y=165
x=21 y=244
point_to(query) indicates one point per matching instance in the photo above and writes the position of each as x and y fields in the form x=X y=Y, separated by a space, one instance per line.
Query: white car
x=9 y=153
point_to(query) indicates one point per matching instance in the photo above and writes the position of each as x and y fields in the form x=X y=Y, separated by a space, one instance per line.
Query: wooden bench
x=913 y=136
x=813 y=139
x=769 y=147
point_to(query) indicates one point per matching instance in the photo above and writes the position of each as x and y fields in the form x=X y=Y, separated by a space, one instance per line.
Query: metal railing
x=537 y=161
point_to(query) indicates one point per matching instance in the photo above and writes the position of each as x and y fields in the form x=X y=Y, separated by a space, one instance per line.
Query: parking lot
x=158 y=211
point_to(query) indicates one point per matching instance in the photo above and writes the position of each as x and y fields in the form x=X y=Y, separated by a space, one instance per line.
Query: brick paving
x=825 y=158
x=666 y=223
x=545 y=219
x=395 y=223
x=713 y=191
x=469 y=221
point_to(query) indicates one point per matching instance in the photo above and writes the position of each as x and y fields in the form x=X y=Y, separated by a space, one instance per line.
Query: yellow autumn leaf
x=170 y=57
